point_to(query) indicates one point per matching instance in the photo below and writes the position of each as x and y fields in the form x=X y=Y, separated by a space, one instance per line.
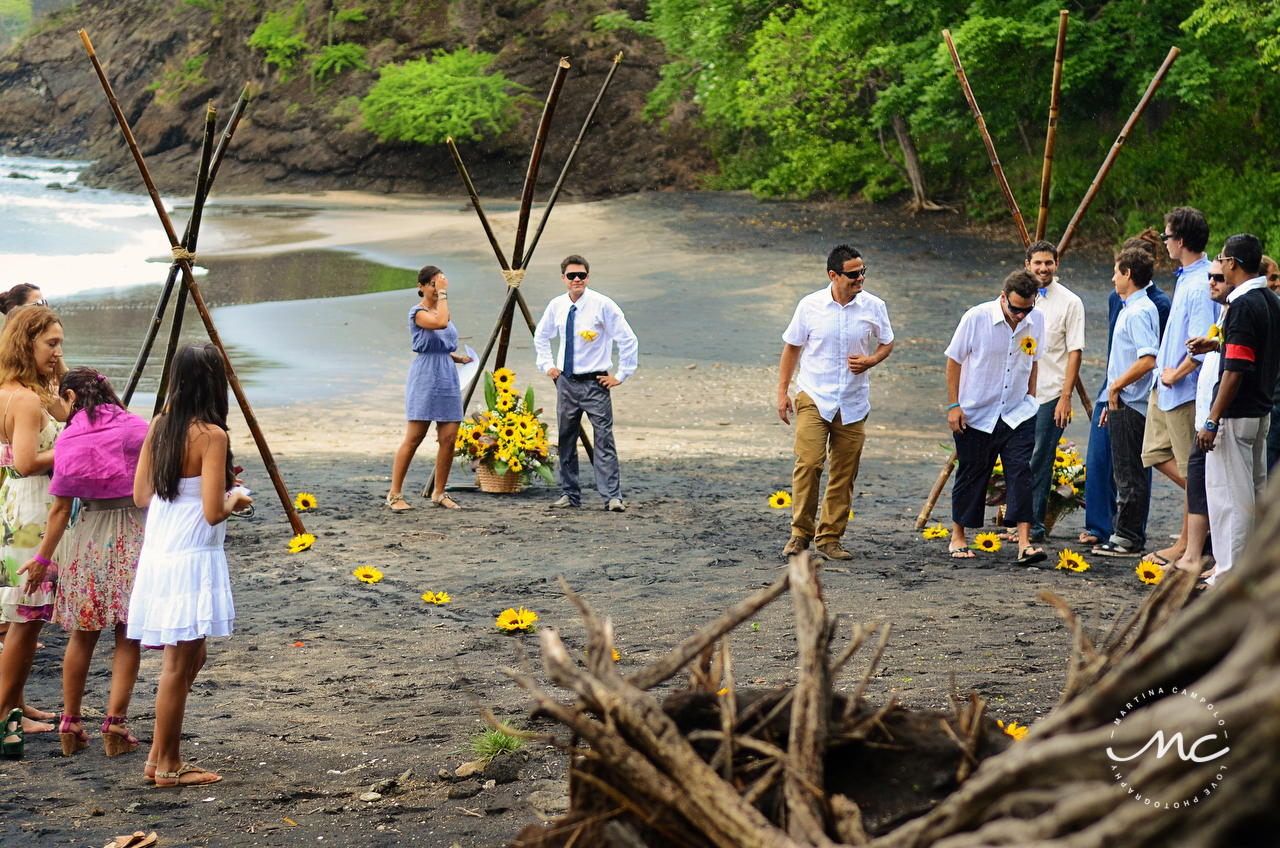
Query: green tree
x=427 y=100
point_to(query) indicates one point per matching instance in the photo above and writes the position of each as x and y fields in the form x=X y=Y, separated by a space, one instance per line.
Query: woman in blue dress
x=433 y=392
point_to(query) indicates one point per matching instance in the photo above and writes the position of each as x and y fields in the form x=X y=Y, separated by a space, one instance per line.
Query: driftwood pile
x=806 y=766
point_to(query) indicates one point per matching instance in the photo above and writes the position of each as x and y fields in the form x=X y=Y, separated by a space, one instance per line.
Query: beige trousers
x=818 y=443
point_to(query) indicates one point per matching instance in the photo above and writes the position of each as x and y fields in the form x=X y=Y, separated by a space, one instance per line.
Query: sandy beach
x=331 y=687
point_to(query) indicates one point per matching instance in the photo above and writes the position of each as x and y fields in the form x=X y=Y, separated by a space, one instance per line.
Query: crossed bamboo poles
x=513 y=271
x=1045 y=179
x=183 y=252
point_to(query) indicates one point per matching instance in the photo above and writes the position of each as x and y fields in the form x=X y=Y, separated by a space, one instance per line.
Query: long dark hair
x=92 y=391
x=16 y=296
x=197 y=393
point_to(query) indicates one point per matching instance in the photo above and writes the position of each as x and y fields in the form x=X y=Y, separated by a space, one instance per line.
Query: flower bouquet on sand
x=506 y=444
x=1065 y=496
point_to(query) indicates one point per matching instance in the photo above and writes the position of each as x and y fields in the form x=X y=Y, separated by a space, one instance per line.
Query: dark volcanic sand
x=381 y=685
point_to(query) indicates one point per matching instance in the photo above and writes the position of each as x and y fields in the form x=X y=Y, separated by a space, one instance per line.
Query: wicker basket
x=505 y=484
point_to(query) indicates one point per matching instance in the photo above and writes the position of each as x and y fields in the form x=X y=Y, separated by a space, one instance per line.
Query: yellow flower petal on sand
x=936 y=532
x=367 y=574
x=1150 y=572
x=779 y=500
x=301 y=542
x=989 y=542
x=437 y=597
x=1028 y=345
x=521 y=619
x=305 y=501
x=1013 y=729
x=1071 y=561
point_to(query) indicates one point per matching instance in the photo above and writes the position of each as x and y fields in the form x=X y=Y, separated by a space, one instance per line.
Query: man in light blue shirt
x=1170 y=431
x=1129 y=380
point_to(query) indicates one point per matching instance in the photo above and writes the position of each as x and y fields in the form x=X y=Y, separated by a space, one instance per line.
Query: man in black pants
x=588 y=324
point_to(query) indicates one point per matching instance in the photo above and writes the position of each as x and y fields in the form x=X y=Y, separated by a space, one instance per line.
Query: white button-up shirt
x=602 y=321
x=1063 y=315
x=994 y=369
x=830 y=334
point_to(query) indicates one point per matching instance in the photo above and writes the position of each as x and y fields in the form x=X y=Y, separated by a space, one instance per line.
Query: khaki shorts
x=1169 y=435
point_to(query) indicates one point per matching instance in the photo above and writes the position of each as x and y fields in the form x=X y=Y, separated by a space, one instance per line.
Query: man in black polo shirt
x=1235 y=434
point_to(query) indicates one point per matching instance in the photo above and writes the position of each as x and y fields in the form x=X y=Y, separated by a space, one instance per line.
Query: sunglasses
x=1167 y=236
x=1217 y=278
x=1014 y=310
x=40 y=302
x=855 y=275
x=576 y=275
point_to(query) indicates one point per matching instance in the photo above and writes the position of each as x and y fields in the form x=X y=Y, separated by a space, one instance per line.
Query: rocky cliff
x=165 y=59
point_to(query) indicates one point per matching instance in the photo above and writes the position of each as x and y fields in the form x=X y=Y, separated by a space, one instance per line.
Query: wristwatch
x=1211 y=425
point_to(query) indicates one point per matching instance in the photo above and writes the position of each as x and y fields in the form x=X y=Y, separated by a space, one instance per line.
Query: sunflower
x=367 y=574
x=1071 y=561
x=505 y=401
x=780 y=500
x=589 y=335
x=515 y=465
x=1215 y=332
x=989 y=542
x=507 y=432
x=301 y=542
x=1061 y=459
x=437 y=597
x=305 y=501
x=504 y=379
x=1150 y=572
x=516 y=620
x=1013 y=729
x=1028 y=345
x=999 y=469
x=936 y=532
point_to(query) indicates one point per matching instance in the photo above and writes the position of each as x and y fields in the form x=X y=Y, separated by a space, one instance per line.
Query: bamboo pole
x=564 y=172
x=535 y=161
x=986 y=138
x=923 y=518
x=1115 y=150
x=187 y=242
x=475 y=201
x=294 y=520
x=1055 y=99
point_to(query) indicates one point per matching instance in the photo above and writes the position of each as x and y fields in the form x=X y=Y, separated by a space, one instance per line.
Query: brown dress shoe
x=832 y=550
x=795 y=546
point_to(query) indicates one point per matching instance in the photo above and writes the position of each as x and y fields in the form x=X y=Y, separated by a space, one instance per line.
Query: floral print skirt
x=99 y=556
x=24 y=513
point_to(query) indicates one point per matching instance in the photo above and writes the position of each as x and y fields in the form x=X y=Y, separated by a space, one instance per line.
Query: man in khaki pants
x=843 y=333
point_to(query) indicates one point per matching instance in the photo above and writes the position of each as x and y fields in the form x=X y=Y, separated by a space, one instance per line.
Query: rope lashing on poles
x=514 y=278
x=180 y=253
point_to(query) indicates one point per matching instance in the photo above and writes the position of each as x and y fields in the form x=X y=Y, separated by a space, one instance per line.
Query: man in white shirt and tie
x=588 y=324
x=992 y=363
x=843 y=333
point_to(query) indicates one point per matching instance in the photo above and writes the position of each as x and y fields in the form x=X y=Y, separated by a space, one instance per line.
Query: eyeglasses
x=1018 y=310
x=40 y=302
x=1217 y=278
x=855 y=275
x=576 y=275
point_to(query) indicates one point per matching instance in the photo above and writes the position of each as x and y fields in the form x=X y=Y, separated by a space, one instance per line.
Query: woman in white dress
x=182 y=591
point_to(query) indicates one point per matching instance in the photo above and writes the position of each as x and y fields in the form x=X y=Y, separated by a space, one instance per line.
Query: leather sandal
x=185 y=769
x=149 y=778
x=117 y=743
x=396 y=502
x=72 y=742
x=445 y=501
x=137 y=839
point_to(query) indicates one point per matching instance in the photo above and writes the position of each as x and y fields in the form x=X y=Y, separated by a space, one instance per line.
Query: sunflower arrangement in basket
x=507 y=436
x=1067 y=493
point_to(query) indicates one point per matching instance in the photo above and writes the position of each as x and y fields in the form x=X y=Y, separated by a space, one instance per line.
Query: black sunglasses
x=855 y=275
x=1017 y=310
x=576 y=275
x=1217 y=278
x=1167 y=236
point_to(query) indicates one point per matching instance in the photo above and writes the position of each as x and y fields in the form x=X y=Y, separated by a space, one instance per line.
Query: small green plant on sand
x=427 y=100
x=491 y=742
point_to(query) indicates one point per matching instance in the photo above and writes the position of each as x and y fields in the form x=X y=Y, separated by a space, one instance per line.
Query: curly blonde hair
x=17 y=349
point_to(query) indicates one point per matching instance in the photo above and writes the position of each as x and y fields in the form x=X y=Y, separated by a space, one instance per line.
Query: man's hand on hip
x=609 y=381
x=554 y=373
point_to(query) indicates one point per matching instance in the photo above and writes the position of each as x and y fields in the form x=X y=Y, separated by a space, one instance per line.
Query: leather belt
x=105 y=504
x=590 y=375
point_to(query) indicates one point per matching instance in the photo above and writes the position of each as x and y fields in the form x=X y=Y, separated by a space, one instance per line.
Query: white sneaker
x=563 y=503
x=615 y=505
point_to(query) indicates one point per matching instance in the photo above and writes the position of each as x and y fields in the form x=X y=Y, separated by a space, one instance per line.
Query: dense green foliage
x=451 y=94
x=280 y=36
x=336 y=58
x=800 y=96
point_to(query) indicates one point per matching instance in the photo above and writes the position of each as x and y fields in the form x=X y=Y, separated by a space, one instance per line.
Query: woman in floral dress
x=30 y=359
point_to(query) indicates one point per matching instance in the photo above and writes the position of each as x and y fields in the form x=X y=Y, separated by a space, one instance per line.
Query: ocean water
x=69 y=239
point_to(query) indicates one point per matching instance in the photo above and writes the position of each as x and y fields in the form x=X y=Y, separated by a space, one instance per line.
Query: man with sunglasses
x=588 y=324
x=1130 y=376
x=1170 y=428
x=843 y=333
x=1235 y=432
x=992 y=363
